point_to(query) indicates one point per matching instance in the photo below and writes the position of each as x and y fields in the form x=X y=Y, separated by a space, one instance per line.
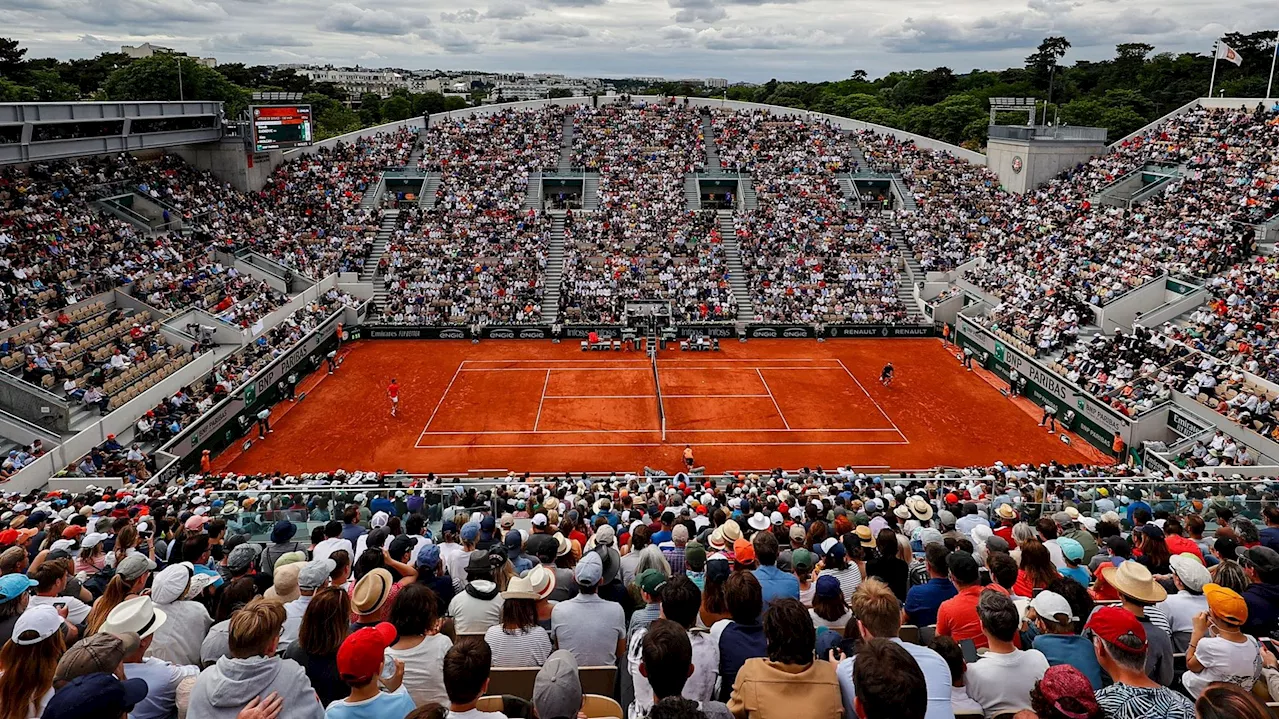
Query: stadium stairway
x=554 y=270
x=855 y=154
x=709 y=139
x=912 y=273
x=533 y=193
x=590 y=191
x=380 y=242
x=373 y=194
x=748 y=192
x=566 y=146
x=904 y=194
x=691 y=193
x=848 y=189
x=427 y=199
x=418 y=148
x=733 y=263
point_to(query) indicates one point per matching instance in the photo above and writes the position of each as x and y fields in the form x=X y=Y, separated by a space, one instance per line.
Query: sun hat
x=902 y=512
x=758 y=522
x=1133 y=580
x=731 y=532
x=716 y=540
x=865 y=536
x=284 y=584
x=542 y=580
x=520 y=588
x=1006 y=511
x=1190 y=571
x=1225 y=604
x=137 y=616
x=371 y=592
x=920 y=508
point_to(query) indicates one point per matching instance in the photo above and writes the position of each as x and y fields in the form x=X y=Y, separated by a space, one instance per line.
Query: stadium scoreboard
x=281 y=127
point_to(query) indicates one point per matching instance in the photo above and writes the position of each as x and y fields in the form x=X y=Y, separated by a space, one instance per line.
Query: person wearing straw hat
x=140 y=616
x=1138 y=592
x=519 y=641
x=1219 y=651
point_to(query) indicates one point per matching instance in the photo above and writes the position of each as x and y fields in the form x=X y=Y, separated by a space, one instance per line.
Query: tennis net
x=657 y=388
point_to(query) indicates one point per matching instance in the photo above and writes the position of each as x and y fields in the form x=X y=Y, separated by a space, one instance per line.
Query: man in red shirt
x=393 y=391
x=958 y=616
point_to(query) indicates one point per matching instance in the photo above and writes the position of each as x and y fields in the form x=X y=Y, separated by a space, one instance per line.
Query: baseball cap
x=743 y=551
x=650 y=580
x=241 y=558
x=95 y=695
x=802 y=559
x=717 y=568
x=14 y=585
x=796 y=532
x=100 y=652
x=429 y=556
x=1053 y=607
x=315 y=574
x=827 y=587
x=1260 y=558
x=695 y=555
x=1071 y=549
x=1226 y=604
x=361 y=655
x=589 y=570
x=557 y=690
x=1190 y=571
x=470 y=532
x=134 y=566
x=929 y=535
x=1109 y=623
x=38 y=623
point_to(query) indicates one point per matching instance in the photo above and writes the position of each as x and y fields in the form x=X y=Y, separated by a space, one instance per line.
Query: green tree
x=11 y=59
x=156 y=78
x=559 y=92
x=1082 y=111
x=396 y=108
x=428 y=102
x=1121 y=121
x=49 y=87
x=11 y=91
x=371 y=108
x=1045 y=58
x=454 y=102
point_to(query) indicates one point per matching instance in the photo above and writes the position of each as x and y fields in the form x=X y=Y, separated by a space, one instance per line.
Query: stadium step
x=533 y=193
x=554 y=271
x=380 y=242
x=850 y=191
x=748 y=192
x=709 y=139
x=855 y=154
x=373 y=194
x=427 y=199
x=906 y=199
x=733 y=264
x=591 y=191
x=691 y=194
x=912 y=273
x=566 y=146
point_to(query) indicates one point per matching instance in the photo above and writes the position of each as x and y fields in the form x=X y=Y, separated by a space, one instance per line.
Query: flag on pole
x=1225 y=52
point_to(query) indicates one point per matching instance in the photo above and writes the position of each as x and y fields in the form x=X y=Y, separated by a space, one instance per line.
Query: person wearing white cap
x=1054 y=622
x=1189 y=576
x=179 y=640
x=36 y=645
x=140 y=616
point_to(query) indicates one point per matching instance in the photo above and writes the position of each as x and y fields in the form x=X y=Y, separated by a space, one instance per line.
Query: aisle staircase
x=372 y=194
x=907 y=201
x=911 y=274
x=859 y=160
x=533 y=193
x=709 y=139
x=566 y=146
x=554 y=271
x=692 y=199
x=747 y=183
x=733 y=264
x=380 y=242
x=590 y=191
x=427 y=199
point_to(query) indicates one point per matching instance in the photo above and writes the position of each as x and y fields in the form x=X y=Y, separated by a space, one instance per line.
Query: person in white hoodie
x=254 y=671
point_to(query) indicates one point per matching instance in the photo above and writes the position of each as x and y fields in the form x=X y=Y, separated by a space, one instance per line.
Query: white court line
x=660 y=359
x=598 y=396
x=638 y=368
x=775 y=402
x=748 y=369
x=654 y=444
x=877 y=404
x=541 y=399
x=711 y=396
x=437 y=408
x=644 y=431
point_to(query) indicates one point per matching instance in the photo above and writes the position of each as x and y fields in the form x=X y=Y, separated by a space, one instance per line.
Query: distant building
x=717 y=83
x=146 y=49
x=533 y=91
x=419 y=85
x=357 y=82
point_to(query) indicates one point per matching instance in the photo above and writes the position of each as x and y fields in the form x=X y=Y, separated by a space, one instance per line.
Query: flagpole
x=1214 y=73
x=1271 y=72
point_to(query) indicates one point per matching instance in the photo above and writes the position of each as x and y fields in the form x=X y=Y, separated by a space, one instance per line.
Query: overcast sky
x=751 y=40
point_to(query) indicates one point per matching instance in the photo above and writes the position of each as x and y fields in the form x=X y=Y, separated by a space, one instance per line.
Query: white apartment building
x=146 y=49
x=357 y=82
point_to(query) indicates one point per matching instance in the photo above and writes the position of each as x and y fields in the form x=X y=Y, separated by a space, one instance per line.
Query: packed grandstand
x=1134 y=588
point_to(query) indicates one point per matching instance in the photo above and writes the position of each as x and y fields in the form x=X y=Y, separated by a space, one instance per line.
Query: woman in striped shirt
x=518 y=641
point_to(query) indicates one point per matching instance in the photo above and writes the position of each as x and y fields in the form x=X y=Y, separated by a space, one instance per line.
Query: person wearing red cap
x=361 y=663
x=1120 y=643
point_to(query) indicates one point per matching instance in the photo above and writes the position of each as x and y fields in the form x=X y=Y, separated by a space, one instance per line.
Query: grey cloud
x=691 y=11
x=349 y=18
x=506 y=10
x=133 y=13
x=453 y=40
x=468 y=16
x=756 y=38
x=538 y=31
x=251 y=40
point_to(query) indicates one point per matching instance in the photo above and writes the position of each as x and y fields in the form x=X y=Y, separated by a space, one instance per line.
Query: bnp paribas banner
x=1077 y=410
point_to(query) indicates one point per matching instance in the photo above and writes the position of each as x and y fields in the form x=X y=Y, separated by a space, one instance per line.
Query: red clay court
x=542 y=408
